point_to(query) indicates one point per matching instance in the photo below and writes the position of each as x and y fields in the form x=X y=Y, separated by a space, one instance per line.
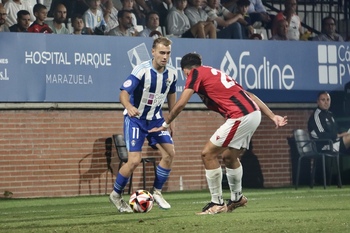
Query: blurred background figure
x=328 y=32
x=23 y=22
x=3 y=15
x=152 y=24
x=281 y=30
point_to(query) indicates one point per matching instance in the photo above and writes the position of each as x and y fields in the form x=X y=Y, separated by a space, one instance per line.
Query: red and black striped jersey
x=220 y=92
x=37 y=28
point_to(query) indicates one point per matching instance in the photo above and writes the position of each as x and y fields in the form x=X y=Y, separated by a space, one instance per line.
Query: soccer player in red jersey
x=224 y=95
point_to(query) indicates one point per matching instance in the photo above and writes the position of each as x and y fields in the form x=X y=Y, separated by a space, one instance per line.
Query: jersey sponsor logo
x=333 y=63
x=127 y=83
x=153 y=99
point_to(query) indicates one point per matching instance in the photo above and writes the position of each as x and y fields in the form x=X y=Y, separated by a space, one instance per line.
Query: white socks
x=234 y=178
x=214 y=179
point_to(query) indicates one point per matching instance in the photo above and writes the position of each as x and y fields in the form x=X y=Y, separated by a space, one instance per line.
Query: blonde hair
x=161 y=40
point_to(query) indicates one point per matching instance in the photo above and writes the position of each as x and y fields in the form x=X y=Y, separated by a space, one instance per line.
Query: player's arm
x=171 y=98
x=125 y=101
x=278 y=120
x=179 y=106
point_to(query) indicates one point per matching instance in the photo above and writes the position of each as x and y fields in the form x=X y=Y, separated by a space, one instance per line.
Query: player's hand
x=157 y=129
x=280 y=121
x=133 y=112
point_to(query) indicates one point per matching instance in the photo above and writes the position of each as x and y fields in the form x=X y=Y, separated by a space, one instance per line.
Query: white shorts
x=236 y=133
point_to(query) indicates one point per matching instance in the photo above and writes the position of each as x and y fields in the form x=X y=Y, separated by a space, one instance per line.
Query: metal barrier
x=311 y=12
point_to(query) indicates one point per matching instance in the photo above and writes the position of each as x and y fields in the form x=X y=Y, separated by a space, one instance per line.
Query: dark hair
x=121 y=13
x=151 y=13
x=21 y=13
x=255 y=35
x=59 y=4
x=243 y=3
x=190 y=60
x=327 y=18
x=322 y=93
x=38 y=7
x=75 y=17
x=155 y=32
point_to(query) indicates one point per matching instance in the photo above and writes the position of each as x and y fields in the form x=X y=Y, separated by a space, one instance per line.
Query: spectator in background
x=73 y=7
x=294 y=23
x=245 y=21
x=79 y=26
x=256 y=36
x=125 y=24
x=129 y=5
x=179 y=25
x=227 y=23
x=328 y=32
x=12 y=7
x=23 y=22
x=196 y=14
x=93 y=17
x=3 y=14
x=257 y=13
x=152 y=19
x=229 y=5
x=39 y=25
x=155 y=34
x=322 y=125
x=281 y=30
x=59 y=18
x=161 y=6
x=110 y=14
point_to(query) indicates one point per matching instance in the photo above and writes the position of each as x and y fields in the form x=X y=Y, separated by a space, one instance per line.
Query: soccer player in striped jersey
x=241 y=109
x=143 y=94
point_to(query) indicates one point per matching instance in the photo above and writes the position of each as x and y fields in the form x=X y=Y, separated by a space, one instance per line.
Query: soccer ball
x=141 y=201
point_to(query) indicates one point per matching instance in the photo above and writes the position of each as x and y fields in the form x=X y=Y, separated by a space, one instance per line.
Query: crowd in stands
x=225 y=19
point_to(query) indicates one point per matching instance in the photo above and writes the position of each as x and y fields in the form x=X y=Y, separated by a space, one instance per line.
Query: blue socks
x=161 y=177
x=120 y=183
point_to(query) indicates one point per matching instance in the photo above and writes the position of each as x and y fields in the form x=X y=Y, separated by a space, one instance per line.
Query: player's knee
x=132 y=164
x=168 y=157
x=206 y=156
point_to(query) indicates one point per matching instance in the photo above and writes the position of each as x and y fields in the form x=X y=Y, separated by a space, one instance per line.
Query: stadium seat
x=120 y=146
x=307 y=150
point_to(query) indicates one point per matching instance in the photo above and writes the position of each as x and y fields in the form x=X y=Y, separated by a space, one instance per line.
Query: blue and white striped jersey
x=92 y=20
x=148 y=89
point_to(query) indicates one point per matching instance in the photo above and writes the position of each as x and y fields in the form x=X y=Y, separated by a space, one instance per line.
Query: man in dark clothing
x=23 y=22
x=322 y=125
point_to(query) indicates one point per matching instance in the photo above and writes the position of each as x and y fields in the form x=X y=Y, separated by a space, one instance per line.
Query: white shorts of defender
x=236 y=133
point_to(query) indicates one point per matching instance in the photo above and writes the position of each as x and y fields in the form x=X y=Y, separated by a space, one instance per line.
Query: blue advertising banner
x=69 y=68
